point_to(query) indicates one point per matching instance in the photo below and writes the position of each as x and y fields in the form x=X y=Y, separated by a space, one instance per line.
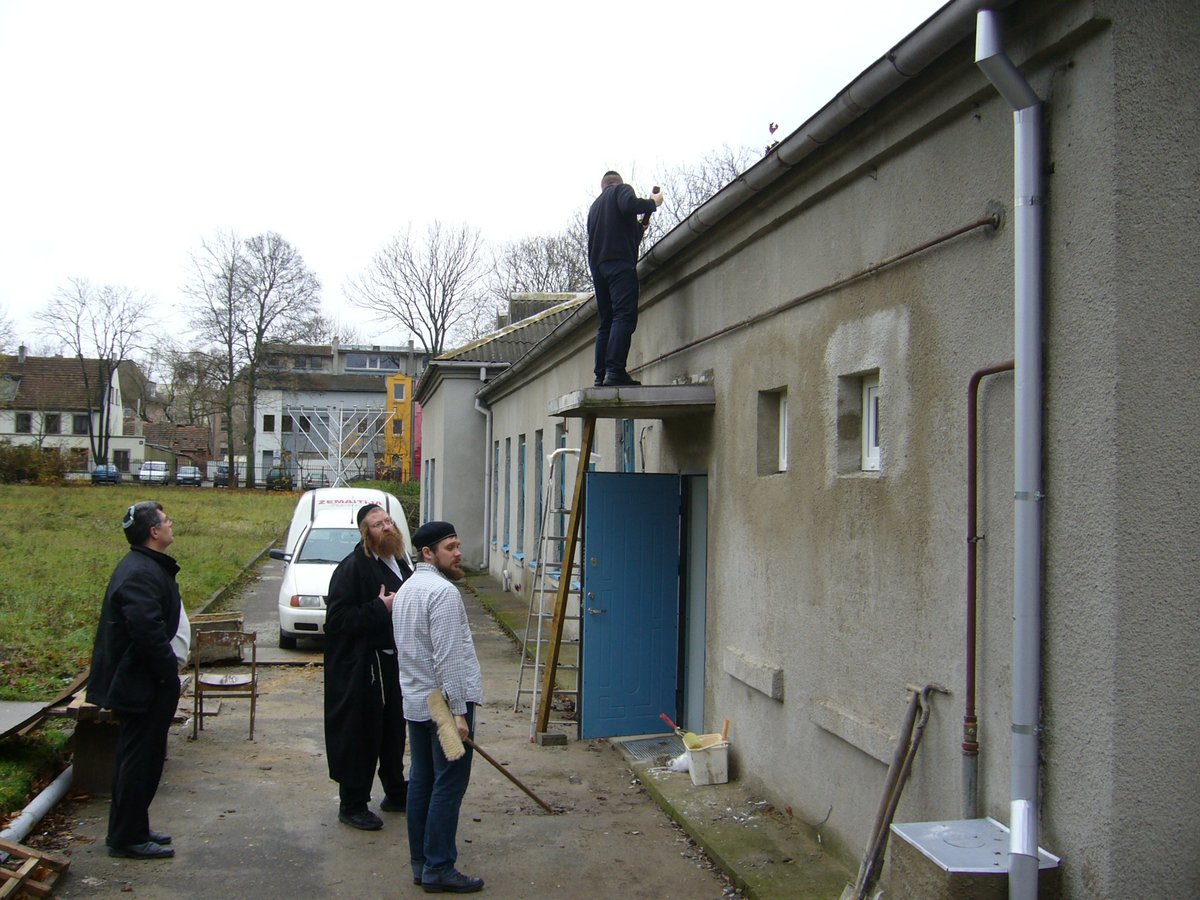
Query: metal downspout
x=486 y=411
x=1027 y=563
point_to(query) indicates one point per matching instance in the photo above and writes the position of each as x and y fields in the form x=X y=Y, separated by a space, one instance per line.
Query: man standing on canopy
x=614 y=233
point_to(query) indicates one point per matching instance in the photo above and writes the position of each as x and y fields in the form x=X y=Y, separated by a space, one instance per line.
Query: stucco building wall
x=850 y=584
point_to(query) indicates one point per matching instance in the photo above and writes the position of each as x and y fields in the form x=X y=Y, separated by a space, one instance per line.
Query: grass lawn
x=59 y=545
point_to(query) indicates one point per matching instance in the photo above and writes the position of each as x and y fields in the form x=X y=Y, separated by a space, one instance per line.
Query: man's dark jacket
x=132 y=655
x=612 y=224
x=357 y=627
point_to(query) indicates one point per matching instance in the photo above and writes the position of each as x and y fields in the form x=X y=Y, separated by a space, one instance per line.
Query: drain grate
x=655 y=750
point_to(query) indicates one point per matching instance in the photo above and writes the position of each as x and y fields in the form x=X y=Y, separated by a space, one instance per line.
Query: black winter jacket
x=132 y=656
x=613 y=228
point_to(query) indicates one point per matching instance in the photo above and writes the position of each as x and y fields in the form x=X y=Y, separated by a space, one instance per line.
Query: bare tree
x=253 y=294
x=107 y=324
x=282 y=300
x=8 y=333
x=191 y=392
x=544 y=264
x=218 y=285
x=686 y=187
x=432 y=285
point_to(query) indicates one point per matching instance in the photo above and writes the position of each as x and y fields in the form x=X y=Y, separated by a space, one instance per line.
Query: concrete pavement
x=765 y=852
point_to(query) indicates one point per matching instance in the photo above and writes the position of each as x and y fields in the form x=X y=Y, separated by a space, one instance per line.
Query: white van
x=324 y=530
x=153 y=471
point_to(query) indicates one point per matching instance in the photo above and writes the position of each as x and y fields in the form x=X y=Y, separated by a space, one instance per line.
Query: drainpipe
x=970 y=742
x=37 y=808
x=486 y=411
x=1028 y=143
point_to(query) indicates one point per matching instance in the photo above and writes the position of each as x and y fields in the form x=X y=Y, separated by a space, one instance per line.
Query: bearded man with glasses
x=364 y=711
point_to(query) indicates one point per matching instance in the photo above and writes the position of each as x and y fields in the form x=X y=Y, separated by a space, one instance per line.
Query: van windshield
x=328 y=545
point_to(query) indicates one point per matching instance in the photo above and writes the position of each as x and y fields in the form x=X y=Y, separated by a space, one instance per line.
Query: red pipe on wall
x=970 y=744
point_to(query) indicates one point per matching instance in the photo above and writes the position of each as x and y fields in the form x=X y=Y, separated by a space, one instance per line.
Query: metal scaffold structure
x=341 y=435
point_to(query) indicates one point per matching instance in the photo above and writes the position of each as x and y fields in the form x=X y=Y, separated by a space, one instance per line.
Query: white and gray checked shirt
x=433 y=644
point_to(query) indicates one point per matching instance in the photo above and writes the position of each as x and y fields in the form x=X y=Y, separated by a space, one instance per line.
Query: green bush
x=30 y=463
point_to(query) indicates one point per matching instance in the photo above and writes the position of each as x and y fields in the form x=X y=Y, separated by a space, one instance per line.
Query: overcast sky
x=133 y=130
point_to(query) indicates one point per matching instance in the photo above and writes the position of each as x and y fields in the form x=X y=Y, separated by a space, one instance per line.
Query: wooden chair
x=210 y=644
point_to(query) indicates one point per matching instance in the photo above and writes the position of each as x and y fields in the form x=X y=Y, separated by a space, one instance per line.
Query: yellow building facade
x=398 y=432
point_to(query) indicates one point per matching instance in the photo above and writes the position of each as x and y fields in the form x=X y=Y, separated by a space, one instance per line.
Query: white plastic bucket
x=709 y=763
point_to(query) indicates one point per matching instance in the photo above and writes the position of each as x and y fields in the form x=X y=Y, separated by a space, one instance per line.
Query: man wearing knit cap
x=436 y=653
x=364 y=715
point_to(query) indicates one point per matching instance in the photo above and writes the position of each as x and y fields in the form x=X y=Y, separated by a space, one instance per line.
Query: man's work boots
x=619 y=379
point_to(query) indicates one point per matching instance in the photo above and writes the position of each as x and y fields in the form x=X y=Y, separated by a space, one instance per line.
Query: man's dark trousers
x=385 y=741
x=391 y=743
x=616 y=285
x=141 y=752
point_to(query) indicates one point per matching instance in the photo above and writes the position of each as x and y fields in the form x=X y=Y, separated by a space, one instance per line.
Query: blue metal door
x=630 y=603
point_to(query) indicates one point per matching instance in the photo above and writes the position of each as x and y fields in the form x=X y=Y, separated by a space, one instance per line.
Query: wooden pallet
x=35 y=876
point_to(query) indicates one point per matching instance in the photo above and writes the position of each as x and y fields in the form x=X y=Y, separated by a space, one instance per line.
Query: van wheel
x=287 y=641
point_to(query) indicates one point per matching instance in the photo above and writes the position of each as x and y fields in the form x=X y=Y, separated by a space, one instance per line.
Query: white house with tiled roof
x=43 y=401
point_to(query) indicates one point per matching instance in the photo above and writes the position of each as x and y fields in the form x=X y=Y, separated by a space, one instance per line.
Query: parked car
x=324 y=529
x=314 y=480
x=221 y=476
x=153 y=472
x=189 y=475
x=106 y=474
x=279 y=479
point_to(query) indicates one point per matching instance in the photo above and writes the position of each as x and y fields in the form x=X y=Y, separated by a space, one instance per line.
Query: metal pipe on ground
x=37 y=808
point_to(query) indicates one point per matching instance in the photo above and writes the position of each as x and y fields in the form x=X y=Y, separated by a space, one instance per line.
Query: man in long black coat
x=364 y=713
x=141 y=643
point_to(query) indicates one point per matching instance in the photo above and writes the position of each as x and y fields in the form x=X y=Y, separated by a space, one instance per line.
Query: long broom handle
x=509 y=775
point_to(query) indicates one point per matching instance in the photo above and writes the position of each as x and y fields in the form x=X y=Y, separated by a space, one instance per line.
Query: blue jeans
x=616 y=287
x=435 y=791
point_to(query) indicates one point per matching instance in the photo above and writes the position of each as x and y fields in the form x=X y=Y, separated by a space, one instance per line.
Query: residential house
x=457 y=451
x=827 y=338
x=43 y=401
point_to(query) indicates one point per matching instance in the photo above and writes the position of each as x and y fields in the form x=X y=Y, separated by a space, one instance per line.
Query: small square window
x=398 y=392
x=79 y=424
x=269 y=424
x=859 y=428
x=285 y=423
x=52 y=423
x=772 y=431
x=398 y=427
x=24 y=423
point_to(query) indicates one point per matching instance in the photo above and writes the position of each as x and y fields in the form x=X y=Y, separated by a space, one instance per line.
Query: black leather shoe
x=451 y=881
x=620 y=380
x=599 y=382
x=389 y=804
x=145 y=850
x=159 y=838
x=364 y=820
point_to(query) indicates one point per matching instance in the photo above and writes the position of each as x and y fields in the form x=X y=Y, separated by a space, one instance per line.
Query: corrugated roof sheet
x=510 y=343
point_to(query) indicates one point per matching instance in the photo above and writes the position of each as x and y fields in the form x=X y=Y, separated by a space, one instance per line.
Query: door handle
x=595 y=612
